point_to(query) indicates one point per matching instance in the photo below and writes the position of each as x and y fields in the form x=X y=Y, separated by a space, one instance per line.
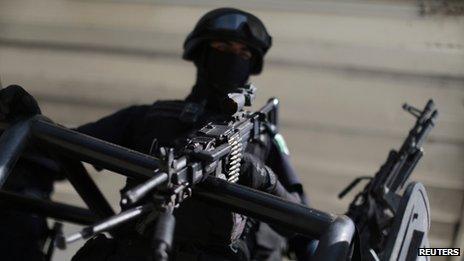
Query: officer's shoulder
x=172 y=106
x=168 y=104
x=181 y=110
x=160 y=105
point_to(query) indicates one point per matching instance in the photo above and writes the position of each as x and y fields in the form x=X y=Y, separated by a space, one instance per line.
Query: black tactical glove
x=255 y=174
x=15 y=102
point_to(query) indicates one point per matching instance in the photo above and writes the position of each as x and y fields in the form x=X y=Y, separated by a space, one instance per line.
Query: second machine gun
x=391 y=225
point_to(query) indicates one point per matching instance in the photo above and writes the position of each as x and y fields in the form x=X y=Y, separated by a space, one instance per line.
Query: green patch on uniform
x=281 y=143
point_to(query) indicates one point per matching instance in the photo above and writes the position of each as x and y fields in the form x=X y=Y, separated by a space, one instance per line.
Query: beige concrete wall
x=341 y=70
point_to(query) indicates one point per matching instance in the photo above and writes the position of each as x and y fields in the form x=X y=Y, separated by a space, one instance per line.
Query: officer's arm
x=116 y=127
x=257 y=175
x=15 y=102
x=279 y=161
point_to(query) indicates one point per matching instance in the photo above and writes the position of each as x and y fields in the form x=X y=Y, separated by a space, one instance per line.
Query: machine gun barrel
x=140 y=191
x=104 y=225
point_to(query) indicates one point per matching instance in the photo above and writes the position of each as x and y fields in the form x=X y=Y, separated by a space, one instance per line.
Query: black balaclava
x=226 y=69
x=218 y=73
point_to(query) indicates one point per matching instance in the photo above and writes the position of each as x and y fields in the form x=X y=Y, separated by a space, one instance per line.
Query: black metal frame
x=335 y=233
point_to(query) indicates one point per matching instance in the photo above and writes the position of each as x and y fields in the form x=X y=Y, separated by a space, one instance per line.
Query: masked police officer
x=227 y=46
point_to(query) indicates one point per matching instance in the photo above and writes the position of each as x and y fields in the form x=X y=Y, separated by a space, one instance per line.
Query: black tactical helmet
x=233 y=25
